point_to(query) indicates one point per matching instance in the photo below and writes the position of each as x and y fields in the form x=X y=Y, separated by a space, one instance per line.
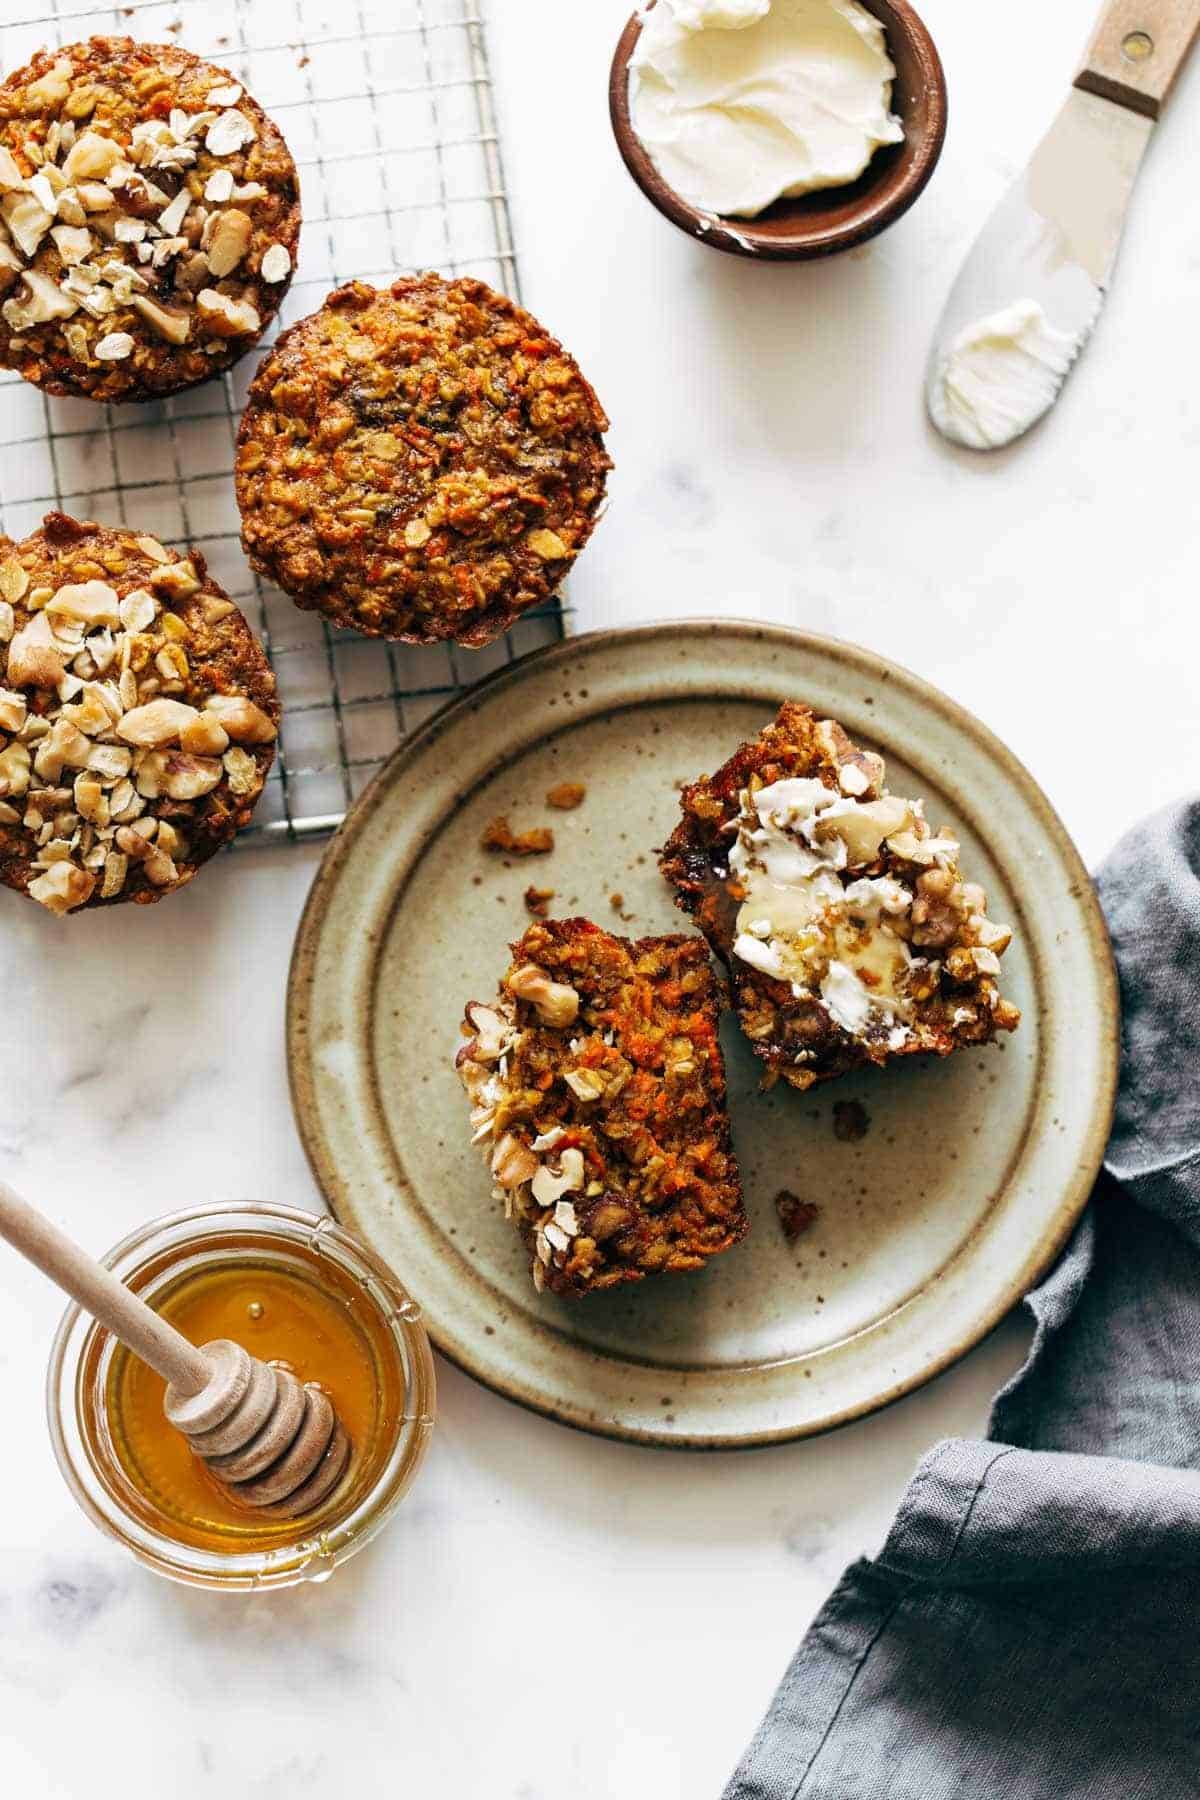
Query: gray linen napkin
x=1031 y=1628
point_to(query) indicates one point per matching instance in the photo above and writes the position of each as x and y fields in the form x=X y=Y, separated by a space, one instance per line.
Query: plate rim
x=1069 y=1207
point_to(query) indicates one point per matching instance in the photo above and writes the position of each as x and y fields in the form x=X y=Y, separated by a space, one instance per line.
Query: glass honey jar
x=294 y=1289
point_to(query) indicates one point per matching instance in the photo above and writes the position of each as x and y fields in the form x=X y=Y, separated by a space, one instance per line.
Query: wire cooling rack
x=387 y=108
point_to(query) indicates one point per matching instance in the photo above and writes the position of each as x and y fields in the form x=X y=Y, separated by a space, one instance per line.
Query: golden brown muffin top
x=422 y=462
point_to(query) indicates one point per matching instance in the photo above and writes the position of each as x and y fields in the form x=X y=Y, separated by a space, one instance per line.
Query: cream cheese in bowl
x=739 y=103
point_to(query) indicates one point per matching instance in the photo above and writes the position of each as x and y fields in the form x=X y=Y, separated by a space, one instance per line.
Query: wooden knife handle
x=1137 y=50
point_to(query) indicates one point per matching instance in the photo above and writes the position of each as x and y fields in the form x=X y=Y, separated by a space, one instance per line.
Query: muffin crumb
x=796 y=1216
x=537 y=900
x=566 y=796
x=851 y=1121
x=500 y=838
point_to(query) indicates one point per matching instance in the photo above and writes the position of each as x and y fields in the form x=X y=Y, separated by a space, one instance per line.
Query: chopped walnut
x=241 y=769
x=204 y=735
x=555 y=1002
x=62 y=887
x=187 y=777
x=512 y=1163
x=864 y=829
x=158 y=722
x=14 y=582
x=585 y=1084
x=546 y=544
x=229 y=240
x=12 y=710
x=492 y=1031
x=549 y=1185
x=170 y=322
x=245 y=722
x=178 y=579
x=43 y=300
x=222 y=317
x=34 y=660
x=159 y=868
x=935 y=918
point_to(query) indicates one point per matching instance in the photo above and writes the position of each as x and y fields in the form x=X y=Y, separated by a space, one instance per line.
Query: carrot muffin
x=420 y=462
x=850 y=934
x=137 y=716
x=597 y=1090
x=149 y=216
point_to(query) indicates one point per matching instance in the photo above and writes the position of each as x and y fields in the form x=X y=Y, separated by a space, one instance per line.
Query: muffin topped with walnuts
x=422 y=462
x=149 y=219
x=137 y=716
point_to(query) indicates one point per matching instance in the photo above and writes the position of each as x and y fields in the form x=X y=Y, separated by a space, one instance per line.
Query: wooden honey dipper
x=269 y=1440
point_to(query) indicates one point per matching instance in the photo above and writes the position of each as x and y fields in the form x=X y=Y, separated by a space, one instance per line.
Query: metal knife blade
x=1051 y=243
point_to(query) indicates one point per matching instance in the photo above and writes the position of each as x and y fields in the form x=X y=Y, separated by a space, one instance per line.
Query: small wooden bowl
x=835 y=218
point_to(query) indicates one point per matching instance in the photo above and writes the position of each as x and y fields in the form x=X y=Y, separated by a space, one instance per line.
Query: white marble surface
x=553 y=1618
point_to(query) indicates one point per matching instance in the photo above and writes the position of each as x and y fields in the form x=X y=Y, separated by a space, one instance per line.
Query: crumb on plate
x=566 y=796
x=851 y=1121
x=537 y=900
x=500 y=838
x=796 y=1216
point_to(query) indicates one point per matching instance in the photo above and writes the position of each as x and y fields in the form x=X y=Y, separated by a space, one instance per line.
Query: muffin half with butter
x=421 y=462
x=850 y=933
x=138 y=716
x=149 y=220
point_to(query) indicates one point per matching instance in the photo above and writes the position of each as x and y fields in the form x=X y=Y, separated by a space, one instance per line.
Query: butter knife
x=1028 y=296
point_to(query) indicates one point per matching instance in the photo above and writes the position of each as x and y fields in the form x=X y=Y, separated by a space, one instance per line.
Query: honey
x=296 y=1308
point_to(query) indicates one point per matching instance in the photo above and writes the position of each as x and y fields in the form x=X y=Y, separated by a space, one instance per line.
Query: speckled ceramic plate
x=971 y=1173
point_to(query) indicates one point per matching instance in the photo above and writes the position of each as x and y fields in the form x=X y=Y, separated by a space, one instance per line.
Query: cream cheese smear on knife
x=1000 y=375
x=741 y=102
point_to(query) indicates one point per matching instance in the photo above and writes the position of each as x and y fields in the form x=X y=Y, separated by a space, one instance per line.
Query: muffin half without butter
x=597 y=1093
x=149 y=217
x=850 y=932
x=421 y=462
x=137 y=716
